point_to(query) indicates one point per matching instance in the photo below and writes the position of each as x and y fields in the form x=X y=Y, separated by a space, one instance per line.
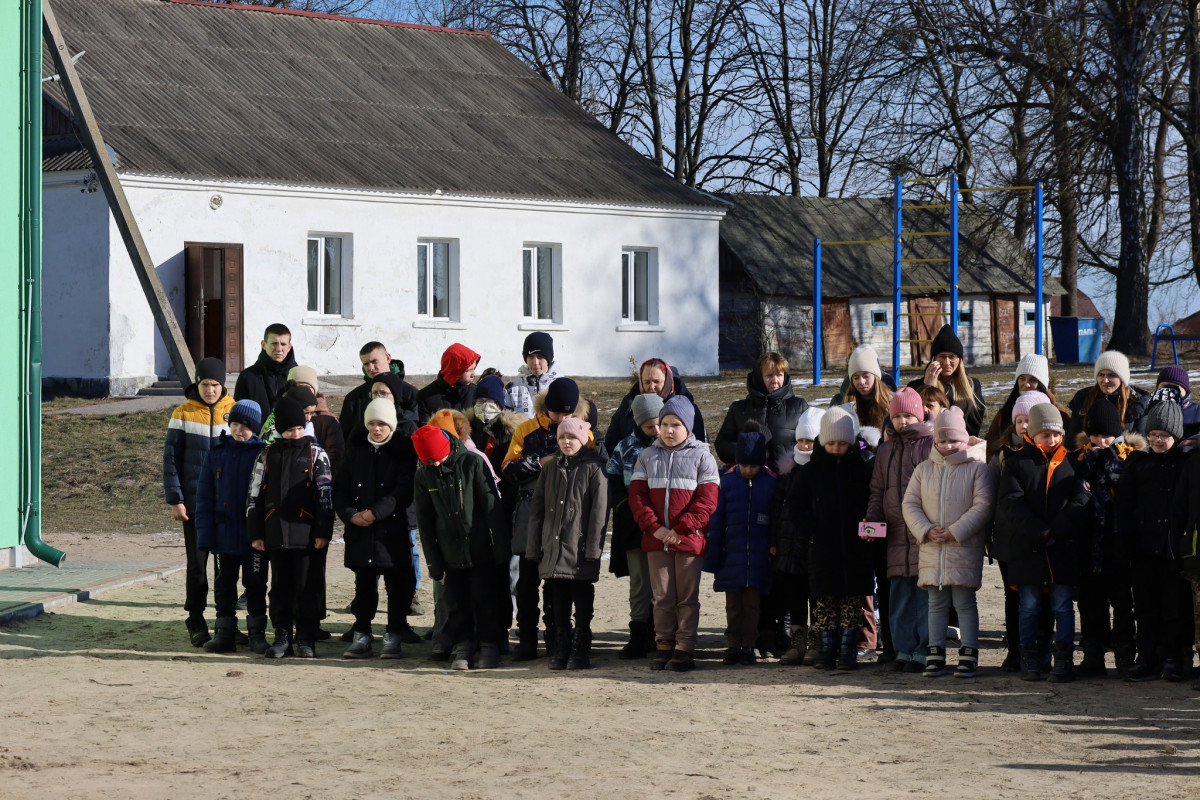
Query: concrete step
x=162 y=389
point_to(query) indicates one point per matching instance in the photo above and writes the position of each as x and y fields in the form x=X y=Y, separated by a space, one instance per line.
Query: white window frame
x=531 y=283
x=628 y=285
x=344 y=308
x=425 y=296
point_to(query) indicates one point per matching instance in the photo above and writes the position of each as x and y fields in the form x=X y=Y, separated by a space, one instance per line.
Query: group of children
x=806 y=530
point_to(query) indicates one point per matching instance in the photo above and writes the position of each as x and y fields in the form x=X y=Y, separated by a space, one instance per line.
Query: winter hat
x=950 y=426
x=1115 y=361
x=306 y=375
x=457 y=359
x=382 y=410
x=490 y=388
x=681 y=407
x=1102 y=420
x=646 y=407
x=562 y=396
x=1035 y=365
x=538 y=343
x=1044 y=417
x=575 y=427
x=906 y=401
x=864 y=359
x=302 y=395
x=871 y=436
x=444 y=419
x=210 y=369
x=946 y=342
x=247 y=413
x=289 y=414
x=1166 y=417
x=809 y=426
x=431 y=443
x=1027 y=401
x=1177 y=376
x=838 y=425
x=751 y=449
x=391 y=380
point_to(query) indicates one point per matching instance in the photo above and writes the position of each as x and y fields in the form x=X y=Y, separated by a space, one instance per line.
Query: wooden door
x=925 y=322
x=1006 y=346
x=836 y=341
x=213 y=298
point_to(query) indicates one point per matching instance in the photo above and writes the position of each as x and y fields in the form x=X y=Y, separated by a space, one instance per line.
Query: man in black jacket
x=265 y=380
x=376 y=360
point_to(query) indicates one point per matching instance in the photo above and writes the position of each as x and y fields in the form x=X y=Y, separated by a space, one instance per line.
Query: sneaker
x=662 y=655
x=935 y=662
x=361 y=648
x=415 y=609
x=408 y=635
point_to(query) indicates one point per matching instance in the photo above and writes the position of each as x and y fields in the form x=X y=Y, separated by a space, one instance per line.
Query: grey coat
x=567 y=517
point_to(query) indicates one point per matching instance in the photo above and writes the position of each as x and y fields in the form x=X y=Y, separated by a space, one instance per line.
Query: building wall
x=273 y=224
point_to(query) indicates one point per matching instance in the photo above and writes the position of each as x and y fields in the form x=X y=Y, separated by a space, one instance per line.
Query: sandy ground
x=107 y=697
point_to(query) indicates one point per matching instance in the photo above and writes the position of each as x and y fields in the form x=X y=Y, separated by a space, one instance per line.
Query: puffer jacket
x=622 y=423
x=1104 y=551
x=445 y=391
x=566 y=517
x=788 y=537
x=954 y=492
x=191 y=433
x=895 y=462
x=675 y=488
x=626 y=535
x=493 y=439
x=521 y=392
x=1041 y=517
x=829 y=499
x=459 y=515
x=221 y=496
x=1147 y=500
x=1135 y=410
x=379 y=479
x=290 y=504
x=776 y=413
x=739 y=533
x=1185 y=514
x=265 y=380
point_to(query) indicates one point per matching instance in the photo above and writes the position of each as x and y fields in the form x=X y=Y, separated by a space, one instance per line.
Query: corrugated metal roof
x=215 y=91
x=772 y=238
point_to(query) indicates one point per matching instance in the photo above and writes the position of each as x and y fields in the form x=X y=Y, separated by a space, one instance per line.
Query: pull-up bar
x=817 y=245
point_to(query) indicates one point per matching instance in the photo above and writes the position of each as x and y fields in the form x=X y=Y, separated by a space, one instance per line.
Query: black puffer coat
x=1185 y=517
x=829 y=500
x=622 y=421
x=291 y=495
x=264 y=381
x=438 y=395
x=788 y=536
x=1145 y=501
x=776 y=413
x=379 y=479
x=1135 y=410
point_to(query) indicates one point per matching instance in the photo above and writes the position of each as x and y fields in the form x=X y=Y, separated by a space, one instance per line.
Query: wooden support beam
x=85 y=120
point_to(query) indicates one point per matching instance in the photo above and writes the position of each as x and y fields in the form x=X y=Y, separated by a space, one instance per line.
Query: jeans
x=968 y=615
x=416 y=557
x=1061 y=606
x=908 y=611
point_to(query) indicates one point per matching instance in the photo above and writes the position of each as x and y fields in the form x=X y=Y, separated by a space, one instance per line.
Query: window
x=878 y=317
x=539 y=282
x=1030 y=316
x=437 y=280
x=639 y=287
x=328 y=274
x=966 y=317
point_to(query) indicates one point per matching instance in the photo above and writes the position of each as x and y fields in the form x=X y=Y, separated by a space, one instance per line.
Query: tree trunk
x=1065 y=164
x=1192 y=136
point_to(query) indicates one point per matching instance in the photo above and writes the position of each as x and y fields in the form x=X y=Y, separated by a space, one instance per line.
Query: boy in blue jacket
x=221 y=529
x=739 y=544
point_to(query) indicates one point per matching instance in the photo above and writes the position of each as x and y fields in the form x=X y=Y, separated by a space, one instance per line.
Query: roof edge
x=318 y=15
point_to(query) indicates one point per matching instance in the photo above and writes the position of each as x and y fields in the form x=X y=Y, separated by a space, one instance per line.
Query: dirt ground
x=107 y=697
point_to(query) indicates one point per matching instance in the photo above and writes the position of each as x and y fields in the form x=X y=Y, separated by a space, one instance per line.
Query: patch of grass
x=63 y=403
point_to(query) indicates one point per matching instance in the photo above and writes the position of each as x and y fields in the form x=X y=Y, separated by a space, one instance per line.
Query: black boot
x=560 y=652
x=256 y=631
x=799 y=644
x=1123 y=652
x=224 y=641
x=1031 y=663
x=527 y=645
x=1092 y=665
x=636 y=646
x=828 y=656
x=407 y=635
x=1064 y=663
x=581 y=649
x=848 y=658
x=392 y=645
x=968 y=662
x=282 y=646
x=935 y=662
x=662 y=654
x=361 y=646
x=1148 y=670
x=1012 y=661
x=489 y=655
x=197 y=630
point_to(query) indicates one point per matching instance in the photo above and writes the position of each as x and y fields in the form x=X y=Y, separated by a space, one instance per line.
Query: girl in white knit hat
x=1031 y=375
x=865 y=387
x=1111 y=371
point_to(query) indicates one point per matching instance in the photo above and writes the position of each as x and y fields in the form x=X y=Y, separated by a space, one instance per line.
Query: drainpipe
x=31 y=276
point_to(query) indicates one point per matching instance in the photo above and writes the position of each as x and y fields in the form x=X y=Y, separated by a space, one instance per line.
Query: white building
x=356 y=181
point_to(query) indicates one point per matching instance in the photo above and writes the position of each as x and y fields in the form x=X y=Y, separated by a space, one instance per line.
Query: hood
x=227 y=440
x=976 y=451
x=584 y=456
x=690 y=443
x=508 y=420
x=757 y=389
x=397 y=368
x=549 y=375
x=917 y=430
x=456 y=361
x=584 y=410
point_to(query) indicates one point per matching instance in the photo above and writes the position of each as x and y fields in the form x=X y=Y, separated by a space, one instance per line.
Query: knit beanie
x=1114 y=361
x=247 y=413
x=575 y=427
x=907 y=401
x=1102 y=419
x=646 y=407
x=1166 y=417
x=1035 y=365
x=1044 y=417
x=864 y=359
x=838 y=425
x=210 y=369
x=302 y=395
x=681 y=407
x=490 y=388
x=562 y=396
x=538 y=343
x=751 y=449
x=946 y=342
x=380 y=410
x=1026 y=401
x=289 y=414
x=1177 y=376
x=431 y=443
x=809 y=426
x=391 y=380
x=305 y=375
x=950 y=426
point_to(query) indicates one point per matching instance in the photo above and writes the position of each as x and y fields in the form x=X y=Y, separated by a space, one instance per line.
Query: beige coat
x=955 y=493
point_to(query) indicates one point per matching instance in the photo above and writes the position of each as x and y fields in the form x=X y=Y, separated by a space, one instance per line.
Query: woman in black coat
x=771 y=403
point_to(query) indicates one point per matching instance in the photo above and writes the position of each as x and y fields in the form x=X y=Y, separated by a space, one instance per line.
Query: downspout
x=31 y=287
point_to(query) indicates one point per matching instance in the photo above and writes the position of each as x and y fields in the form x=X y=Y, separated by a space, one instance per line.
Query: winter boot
x=681 y=661
x=935 y=662
x=968 y=662
x=489 y=655
x=1148 y=670
x=224 y=641
x=1031 y=663
x=848 y=658
x=795 y=654
x=240 y=639
x=1012 y=661
x=306 y=648
x=527 y=645
x=361 y=646
x=460 y=658
x=1124 y=653
x=197 y=630
x=812 y=645
x=581 y=649
x=829 y=653
x=1064 y=663
x=732 y=656
x=256 y=631
x=1092 y=665
x=636 y=646
x=282 y=646
x=392 y=645
x=408 y=635
x=1173 y=670
x=662 y=654
x=560 y=652
x=747 y=657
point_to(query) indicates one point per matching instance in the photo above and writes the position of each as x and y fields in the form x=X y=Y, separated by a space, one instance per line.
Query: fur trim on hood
x=584 y=410
x=508 y=419
x=1134 y=440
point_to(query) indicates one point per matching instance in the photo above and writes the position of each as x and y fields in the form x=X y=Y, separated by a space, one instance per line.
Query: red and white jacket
x=675 y=488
